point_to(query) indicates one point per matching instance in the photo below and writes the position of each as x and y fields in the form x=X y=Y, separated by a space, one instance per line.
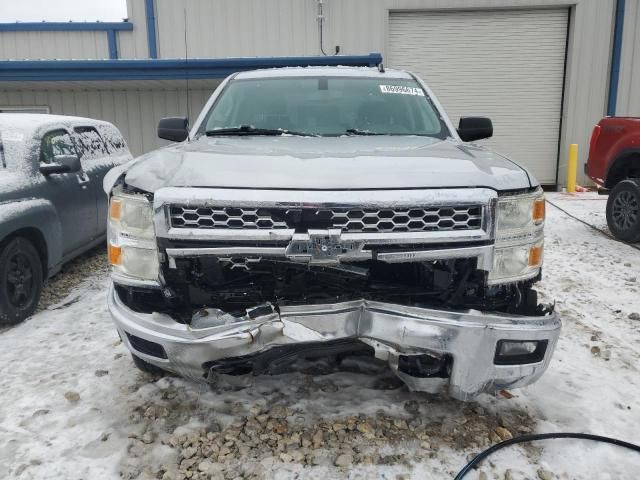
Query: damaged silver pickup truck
x=329 y=212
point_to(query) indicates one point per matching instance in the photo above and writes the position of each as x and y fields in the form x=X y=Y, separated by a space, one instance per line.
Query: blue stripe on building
x=113 y=44
x=614 y=74
x=149 y=6
x=163 y=69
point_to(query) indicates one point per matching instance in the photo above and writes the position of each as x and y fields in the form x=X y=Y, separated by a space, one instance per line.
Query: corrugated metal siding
x=629 y=83
x=225 y=28
x=504 y=64
x=53 y=45
x=133 y=44
x=587 y=80
x=237 y=28
x=135 y=112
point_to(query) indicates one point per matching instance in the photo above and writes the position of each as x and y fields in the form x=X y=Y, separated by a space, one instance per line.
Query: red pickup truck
x=614 y=164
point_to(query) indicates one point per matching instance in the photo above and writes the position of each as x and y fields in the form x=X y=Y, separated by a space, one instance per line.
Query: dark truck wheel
x=623 y=210
x=20 y=280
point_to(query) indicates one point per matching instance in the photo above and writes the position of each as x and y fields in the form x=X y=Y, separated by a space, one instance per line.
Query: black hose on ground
x=541 y=436
x=599 y=230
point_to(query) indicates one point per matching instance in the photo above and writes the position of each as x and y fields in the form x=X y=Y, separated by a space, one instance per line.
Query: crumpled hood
x=336 y=163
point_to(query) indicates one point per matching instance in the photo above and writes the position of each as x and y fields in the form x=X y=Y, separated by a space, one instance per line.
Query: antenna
x=321 y=23
x=186 y=63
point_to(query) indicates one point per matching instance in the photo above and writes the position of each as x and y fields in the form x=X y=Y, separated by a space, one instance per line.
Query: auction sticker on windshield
x=402 y=90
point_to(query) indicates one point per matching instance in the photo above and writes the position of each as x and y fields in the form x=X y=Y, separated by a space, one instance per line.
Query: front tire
x=21 y=280
x=623 y=210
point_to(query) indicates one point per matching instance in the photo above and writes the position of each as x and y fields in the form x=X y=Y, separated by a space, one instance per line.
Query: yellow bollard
x=572 y=168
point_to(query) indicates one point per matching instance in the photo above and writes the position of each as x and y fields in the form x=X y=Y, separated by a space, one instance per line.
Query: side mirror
x=175 y=129
x=475 y=128
x=62 y=164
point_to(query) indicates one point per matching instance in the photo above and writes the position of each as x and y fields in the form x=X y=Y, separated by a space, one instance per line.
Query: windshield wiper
x=251 y=130
x=357 y=131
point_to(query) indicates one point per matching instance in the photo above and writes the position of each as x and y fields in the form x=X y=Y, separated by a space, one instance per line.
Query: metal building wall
x=629 y=85
x=133 y=44
x=238 y=28
x=587 y=78
x=225 y=28
x=53 y=45
x=135 y=111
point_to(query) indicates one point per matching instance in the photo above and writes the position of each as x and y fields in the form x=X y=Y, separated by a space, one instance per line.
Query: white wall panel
x=133 y=44
x=236 y=28
x=53 y=45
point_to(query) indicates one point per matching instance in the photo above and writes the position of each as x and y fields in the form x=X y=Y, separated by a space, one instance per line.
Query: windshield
x=326 y=106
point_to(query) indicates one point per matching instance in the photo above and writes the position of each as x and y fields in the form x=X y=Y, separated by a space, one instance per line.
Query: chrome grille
x=352 y=220
x=223 y=217
x=408 y=220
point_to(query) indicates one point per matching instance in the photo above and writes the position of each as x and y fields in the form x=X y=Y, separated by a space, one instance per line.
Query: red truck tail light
x=594 y=139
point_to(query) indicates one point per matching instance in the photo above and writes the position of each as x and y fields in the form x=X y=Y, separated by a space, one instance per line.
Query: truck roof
x=371 y=72
x=32 y=121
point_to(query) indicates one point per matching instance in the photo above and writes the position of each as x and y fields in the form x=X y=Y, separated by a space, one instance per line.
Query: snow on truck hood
x=336 y=163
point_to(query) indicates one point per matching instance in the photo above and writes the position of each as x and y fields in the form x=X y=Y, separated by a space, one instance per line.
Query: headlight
x=132 y=245
x=519 y=237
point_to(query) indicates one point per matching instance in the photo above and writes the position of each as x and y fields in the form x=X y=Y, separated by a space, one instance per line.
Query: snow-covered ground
x=73 y=406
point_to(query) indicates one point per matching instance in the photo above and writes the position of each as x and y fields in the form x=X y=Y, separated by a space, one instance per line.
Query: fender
x=38 y=214
x=113 y=175
x=618 y=161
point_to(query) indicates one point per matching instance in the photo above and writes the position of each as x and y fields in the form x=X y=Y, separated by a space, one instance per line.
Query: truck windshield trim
x=327 y=107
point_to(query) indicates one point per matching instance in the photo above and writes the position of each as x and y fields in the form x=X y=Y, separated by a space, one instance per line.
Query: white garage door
x=504 y=64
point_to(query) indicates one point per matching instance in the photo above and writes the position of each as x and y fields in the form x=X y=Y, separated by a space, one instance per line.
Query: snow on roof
x=338 y=71
x=32 y=121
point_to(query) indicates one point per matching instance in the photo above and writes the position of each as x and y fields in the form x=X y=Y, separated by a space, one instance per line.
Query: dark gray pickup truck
x=52 y=207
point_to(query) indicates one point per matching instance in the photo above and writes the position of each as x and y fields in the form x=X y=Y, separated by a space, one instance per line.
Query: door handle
x=83 y=179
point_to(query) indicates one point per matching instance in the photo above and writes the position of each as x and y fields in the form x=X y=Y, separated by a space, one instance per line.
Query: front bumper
x=468 y=338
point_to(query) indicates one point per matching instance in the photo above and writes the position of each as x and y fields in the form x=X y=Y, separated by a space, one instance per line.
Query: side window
x=113 y=139
x=90 y=143
x=57 y=142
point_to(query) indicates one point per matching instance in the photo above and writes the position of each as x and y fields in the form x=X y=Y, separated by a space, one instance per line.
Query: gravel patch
x=213 y=433
x=57 y=288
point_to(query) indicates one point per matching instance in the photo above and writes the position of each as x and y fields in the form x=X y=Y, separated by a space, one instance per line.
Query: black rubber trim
x=147 y=347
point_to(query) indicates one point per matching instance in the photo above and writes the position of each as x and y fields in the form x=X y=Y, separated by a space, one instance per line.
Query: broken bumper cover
x=468 y=338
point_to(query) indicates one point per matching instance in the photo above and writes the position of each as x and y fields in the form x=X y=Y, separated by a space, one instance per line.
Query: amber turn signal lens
x=535 y=256
x=538 y=210
x=115 y=209
x=115 y=255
